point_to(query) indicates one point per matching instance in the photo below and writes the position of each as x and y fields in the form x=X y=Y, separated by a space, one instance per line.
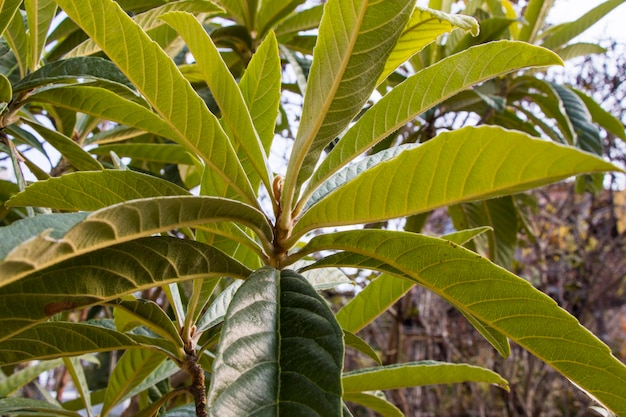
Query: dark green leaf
x=290 y=356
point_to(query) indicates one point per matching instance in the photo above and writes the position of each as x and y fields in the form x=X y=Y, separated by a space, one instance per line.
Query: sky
x=611 y=26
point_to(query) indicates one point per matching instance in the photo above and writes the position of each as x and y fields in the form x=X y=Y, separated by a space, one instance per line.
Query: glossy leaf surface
x=503 y=301
x=465 y=165
x=107 y=274
x=424 y=90
x=290 y=356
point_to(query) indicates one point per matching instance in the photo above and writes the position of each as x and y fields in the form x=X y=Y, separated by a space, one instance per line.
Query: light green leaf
x=217 y=310
x=323 y=279
x=235 y=114
x=242 y=11
x=372 y=301
x=6 y=93
x=150 y=20
x=361 y=345
x=355 y=38
x=499 y=215
x=580 y=49
x=351 y=171
x=375 y=401
x=261 y=89
x=426 y=89
x=18 y=40
x=383 y=291
x=99 y=101
x=70 y=70
x=24 y=229
x=74 y=154
x=145 y=313
x=602 y=117
x=491 y=29
x=290 y=356
x=164 y=87
x=7 y=11
x=21 y=406
x=414 y=374
x=300 y=21
x=107 y=274
x=118 y=133
x=132 y=368
x=63 y=339
x=559 y=35
x=423 y=28
x=88 y=191
x=40 y=14
x=468 y=164
x=22 y=377
x=535 y=16
x=166 y=153
x=496 y=297
x=125 y=222
x=271 y=12
x=76 y=371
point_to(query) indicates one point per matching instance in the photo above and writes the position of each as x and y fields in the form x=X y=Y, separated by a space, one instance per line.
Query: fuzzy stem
x=197 y=388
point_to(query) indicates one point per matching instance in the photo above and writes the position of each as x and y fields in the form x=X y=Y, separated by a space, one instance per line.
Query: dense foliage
x=168 y=245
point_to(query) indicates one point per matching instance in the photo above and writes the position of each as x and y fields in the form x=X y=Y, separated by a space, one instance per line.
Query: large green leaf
x=587 y=133
x=261 y=89
x=168 y=153
x=63 y=339
x=99 y=101
x=355 y=38
x=235 y=114
x=375 y=401
x=6 y=93
x=602 y=117
x=56 y=223
x=107 y=274
x=131 y=313
x=559 y=35
x=272 y=12
x=302 y=20
x=22 y=377
x=496 y=297
x=7 y=11
x=535 y=16
x=69 y=70
x=150 y=20
x=17 y=38
x=289 y=357
x=125 y=222
x=500 y=215
x=132 y=368
x=383 y=291
x=417 y=374
x=164 y=87
x=242 y=11
x=31 y=407
x=469 y=164
x=424 y=90
x=79 y=379
x=69 y=149
x=580 y=49
x=88 y=191
x=40 y=14
x=424 y=27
